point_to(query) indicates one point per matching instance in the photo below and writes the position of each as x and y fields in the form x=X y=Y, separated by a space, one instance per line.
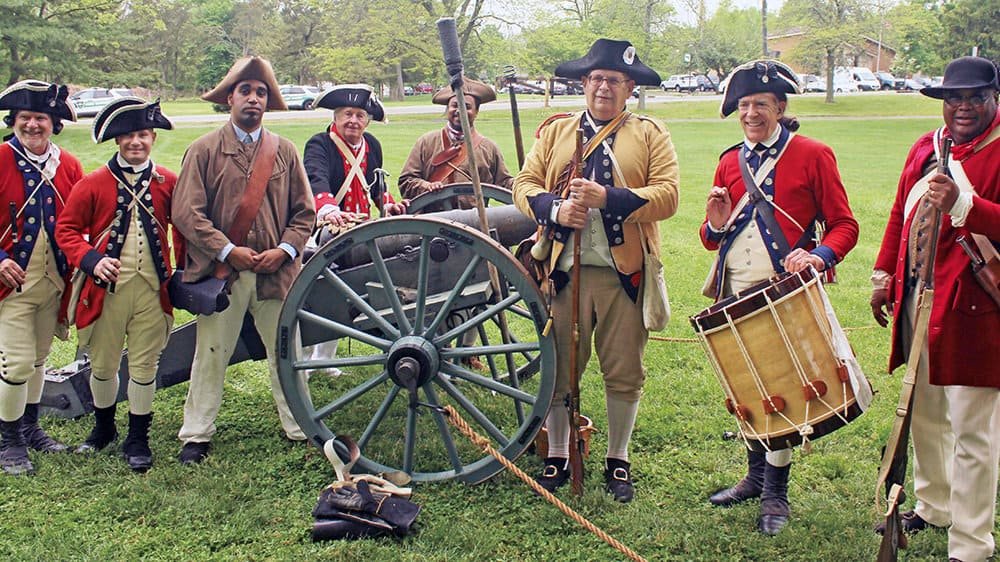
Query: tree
x=966 y=24
x=830 y=27
x=909 y=25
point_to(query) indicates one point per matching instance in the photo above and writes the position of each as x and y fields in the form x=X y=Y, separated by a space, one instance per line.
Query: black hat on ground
x=128 y=114
x=609 y=54
x=965 y=73
x=38 y=96
x=758 y=76
x=352 y=95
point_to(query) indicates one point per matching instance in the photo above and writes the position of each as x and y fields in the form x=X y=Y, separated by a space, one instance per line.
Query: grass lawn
x=252 y=499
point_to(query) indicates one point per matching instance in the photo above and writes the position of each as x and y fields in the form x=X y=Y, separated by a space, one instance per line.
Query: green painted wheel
x=402 y=295
x=444 y=198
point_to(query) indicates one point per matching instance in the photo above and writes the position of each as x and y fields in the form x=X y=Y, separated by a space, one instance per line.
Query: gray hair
x=339 y=110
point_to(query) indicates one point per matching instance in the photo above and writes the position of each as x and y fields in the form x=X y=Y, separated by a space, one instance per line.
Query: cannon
x=399 y=293
x=404 y=290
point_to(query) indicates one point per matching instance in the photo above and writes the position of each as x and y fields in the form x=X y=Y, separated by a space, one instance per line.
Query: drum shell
x=743 y=337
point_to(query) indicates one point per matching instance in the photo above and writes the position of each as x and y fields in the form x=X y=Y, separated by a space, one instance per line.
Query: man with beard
x=955 y=425
x=213 y=193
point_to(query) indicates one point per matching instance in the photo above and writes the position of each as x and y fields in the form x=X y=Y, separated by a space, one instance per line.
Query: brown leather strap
x=260 y=173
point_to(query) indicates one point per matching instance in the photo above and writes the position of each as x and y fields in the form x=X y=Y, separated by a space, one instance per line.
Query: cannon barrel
x=510 y=225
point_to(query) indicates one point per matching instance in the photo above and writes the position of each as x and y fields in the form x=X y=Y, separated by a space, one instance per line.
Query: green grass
x=252 y=499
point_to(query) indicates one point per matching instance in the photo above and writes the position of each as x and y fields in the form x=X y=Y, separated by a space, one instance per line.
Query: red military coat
x=90 y=209
x=807 y=186
x=965 y=322
x=12 y=191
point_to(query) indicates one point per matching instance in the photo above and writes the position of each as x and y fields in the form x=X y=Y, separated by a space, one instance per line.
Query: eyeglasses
x=975 y=100
x=609 y=80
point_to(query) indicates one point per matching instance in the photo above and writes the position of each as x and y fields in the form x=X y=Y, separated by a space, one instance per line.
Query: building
x=867 y=52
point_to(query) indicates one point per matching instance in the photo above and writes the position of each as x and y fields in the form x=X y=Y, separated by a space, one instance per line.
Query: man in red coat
x=796 y=179
x=954 y=421
x=114 y=229
x=35 y=180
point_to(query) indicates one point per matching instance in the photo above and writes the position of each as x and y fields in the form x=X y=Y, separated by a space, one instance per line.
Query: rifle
x=511 y=76
x=377 y=190
x=892 y=473
x=577 y=444
x=14 y=238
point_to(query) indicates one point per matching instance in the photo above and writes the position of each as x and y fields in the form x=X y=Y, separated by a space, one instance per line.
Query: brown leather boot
x=774 y=509
x=34 y=436
x=748 y=488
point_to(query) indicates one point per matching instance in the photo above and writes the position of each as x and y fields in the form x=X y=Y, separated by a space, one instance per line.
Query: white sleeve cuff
x=960 y=210
x=880 y=279
x=713 y=230
x=289 y=249
x=554 y=213
x=225 y=252
x=326 y=210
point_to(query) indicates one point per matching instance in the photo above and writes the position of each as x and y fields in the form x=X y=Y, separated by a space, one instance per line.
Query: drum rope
x=754 y=376
x=456 y=420
x=727 y=389
x=822 y=321
x=806 y=428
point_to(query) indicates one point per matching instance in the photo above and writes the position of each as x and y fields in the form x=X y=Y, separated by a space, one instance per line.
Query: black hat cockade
x=40 y=97
x=128 y=114
x=609 y=54
x=756 y=77
x=965 y=73
x=352 y=95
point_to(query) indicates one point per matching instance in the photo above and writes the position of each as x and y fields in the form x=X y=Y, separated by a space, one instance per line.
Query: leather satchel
x=211 y=294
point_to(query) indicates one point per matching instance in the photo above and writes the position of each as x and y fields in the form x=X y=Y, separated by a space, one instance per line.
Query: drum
x=775 y=351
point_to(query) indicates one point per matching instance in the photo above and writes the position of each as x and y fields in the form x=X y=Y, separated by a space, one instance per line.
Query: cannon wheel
x=444 y=198
x=408 y=354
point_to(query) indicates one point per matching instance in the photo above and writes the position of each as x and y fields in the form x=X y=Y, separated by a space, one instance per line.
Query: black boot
x=34 y=436
x=748 y=488
x=774 y=508
x=13 y=450
x=104 y=432
x=135 y=449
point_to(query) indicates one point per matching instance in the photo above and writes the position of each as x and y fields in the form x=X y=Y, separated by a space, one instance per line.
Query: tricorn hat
x=41 y=97
x=352 y=95
x=758 y=76
x=965 y=73
x=128 y=114
x=609 y=54
x=248 y=68
x=474 y=88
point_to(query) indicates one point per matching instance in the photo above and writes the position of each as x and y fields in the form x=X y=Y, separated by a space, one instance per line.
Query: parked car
x=90 y=101
x=424 y=88
x=573 y=87
x=812 y=83
x=888 y=81
x=299 y=97
x=408 y=90
x=916 y=83
x=706 y=83
x=680 y=83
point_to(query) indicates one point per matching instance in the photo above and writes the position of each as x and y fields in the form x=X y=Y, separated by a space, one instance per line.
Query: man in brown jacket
x=215 y=174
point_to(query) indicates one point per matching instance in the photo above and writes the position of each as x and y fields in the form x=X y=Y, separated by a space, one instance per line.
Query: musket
x=892 y=473
x=14 y=238
x=511 y=76
x=577 y=445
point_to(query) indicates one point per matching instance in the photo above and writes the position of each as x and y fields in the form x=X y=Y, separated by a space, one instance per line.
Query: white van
x=844 y=82
x=866 y=79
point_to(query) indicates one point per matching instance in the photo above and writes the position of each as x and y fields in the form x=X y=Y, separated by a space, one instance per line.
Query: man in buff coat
x=629 y=184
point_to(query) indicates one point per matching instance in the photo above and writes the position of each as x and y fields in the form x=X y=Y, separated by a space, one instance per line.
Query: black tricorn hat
x=128 y=114
x=609 y=54
x=755 y=77
x=965 y=73
x=38 y=96
x=352 y=95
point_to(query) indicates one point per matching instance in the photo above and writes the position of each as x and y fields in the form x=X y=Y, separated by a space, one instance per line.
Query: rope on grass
x=456 y=420
x=695 y=340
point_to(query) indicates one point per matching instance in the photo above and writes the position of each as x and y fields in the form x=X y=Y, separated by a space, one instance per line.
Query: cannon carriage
x=400 y=293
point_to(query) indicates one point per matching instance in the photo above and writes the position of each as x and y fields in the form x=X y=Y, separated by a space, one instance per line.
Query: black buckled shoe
x=910 y=522
x=618 y=480
x=194 y=453
x=554 y=475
